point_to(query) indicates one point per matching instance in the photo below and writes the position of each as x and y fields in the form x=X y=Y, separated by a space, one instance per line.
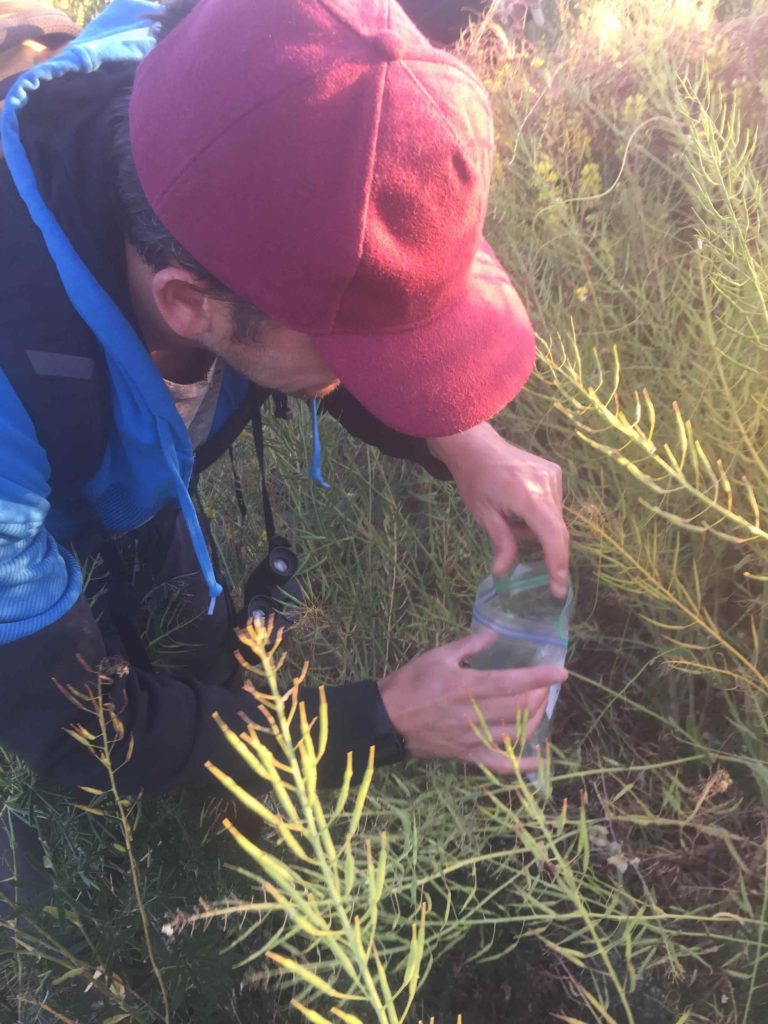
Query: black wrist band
x=390 y=745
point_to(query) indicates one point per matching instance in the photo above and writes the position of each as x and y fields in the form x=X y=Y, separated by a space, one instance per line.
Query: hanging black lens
x=272 y=591
x=283 y=563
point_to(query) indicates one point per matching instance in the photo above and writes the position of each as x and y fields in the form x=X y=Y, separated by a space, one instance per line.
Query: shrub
x=629 y=207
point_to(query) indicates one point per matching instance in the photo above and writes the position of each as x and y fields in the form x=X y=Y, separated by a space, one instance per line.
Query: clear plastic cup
x=531 y=627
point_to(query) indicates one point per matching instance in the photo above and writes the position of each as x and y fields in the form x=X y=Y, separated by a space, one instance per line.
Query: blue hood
x=148 y=460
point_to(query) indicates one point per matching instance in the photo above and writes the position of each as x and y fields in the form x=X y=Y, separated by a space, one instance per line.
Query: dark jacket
x=66 y=281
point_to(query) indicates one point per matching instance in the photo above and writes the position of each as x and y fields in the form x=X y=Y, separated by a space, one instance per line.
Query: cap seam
x=367 y=185
x=407 y=328
x=337 y=16
x=447 y=60
x=435 y=105
x=371 y=40
x=223 y=131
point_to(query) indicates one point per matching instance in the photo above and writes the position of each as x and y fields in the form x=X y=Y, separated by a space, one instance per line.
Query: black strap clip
x=282 y=410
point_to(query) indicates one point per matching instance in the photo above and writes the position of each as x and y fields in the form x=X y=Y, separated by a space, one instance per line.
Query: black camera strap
x=258 y=443
x=238 y=485
x=123 y=608
x=255 y=403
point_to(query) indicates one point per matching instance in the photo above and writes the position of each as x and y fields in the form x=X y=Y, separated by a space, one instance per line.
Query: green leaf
x=73 y=973
x=312 y=1015
x=309 y=976
x=347 y=1018
x=693 y=730
x=92 y=810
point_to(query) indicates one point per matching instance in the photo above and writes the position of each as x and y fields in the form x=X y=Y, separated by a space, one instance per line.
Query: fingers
x=503 y=543
x=545 y=523
x=473 y=643
x=501 y=764
x=552 y=534
x=484 y=685
x=505 y=712
x=498 y=763
x=511 y=731
x=521 y=532
x=497 y=759
x=524 y=725
x=503 y=722
x=487 y=681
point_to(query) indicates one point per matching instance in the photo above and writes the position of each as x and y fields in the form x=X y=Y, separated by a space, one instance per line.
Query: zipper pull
x=315 y=469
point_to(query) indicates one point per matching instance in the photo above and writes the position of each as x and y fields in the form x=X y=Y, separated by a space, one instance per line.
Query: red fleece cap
x=325 y=162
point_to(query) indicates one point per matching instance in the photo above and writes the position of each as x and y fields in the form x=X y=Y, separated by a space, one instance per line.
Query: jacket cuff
x=357 y=721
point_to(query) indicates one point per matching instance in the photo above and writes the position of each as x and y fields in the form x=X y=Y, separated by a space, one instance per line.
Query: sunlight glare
x=605 y=25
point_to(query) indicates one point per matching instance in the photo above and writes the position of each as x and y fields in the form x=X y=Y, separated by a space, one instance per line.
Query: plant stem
x=127 y=832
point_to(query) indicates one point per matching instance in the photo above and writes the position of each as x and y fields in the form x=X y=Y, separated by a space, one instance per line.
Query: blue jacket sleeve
x=39 y=582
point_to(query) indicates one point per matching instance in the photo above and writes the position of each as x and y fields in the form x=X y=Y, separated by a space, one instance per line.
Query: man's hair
x=142 y=227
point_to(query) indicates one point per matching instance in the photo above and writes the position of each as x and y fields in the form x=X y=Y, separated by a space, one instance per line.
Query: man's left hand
x=513 y=495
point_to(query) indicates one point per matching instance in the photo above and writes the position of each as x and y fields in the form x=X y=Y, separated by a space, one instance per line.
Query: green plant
x=81 y=11
x=81 y=948
x=326 y=880
x=361 y=927
x=629 y=207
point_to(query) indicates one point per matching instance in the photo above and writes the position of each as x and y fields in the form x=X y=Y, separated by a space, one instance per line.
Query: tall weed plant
x=629 y=208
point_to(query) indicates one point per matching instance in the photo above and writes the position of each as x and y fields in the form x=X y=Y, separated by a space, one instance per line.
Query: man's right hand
x=430 y=703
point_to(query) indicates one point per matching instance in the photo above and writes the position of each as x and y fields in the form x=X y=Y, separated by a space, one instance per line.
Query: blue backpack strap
x=52 y=359
x=48 y=352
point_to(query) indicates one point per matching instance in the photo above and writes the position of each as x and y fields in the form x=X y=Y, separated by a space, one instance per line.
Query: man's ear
x=182 y=302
